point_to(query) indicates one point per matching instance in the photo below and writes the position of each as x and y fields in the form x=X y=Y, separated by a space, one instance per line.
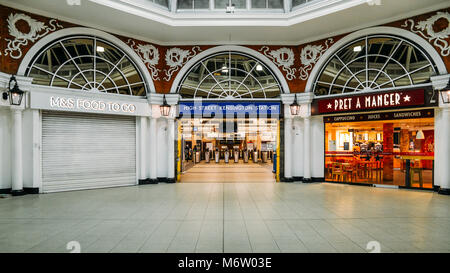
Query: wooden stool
x=419 y=172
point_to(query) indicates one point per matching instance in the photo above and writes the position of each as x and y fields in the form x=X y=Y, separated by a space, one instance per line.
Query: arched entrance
x=374 y=91
x=228 y=119
x=87 y=101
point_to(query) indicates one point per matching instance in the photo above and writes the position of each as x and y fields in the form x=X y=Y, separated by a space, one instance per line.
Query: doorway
x=229 y=150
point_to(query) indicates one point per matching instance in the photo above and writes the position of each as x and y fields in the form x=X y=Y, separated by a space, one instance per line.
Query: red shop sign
x=372 y=101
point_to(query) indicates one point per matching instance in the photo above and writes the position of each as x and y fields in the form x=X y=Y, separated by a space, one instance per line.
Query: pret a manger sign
x=372 y=101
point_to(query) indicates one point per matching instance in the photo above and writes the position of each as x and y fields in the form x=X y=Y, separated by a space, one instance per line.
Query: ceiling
x=155 y=25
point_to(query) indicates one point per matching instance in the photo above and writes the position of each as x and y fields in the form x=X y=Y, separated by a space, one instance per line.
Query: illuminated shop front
x=390 y=148
x=381 y=114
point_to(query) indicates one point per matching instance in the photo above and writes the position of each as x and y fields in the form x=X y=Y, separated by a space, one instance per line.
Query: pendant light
x=420 y=134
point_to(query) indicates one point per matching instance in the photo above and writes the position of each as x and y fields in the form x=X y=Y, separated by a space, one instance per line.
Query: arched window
x=86 y=63
x=375 y=62
x=229 y=75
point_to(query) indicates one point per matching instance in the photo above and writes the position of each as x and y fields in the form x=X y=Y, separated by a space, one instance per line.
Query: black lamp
x=295 y=107
x=165 y=108
x=15 y=94
x=445 y=93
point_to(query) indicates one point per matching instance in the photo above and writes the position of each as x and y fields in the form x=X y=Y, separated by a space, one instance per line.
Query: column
x=307 y=149
x=441 y=136
x=143 y=151
x=17 y=167
x=388 y=147
x=445 y=152
x=297 y=142
x=288 y=148
x=171 y=150
x=153 y=151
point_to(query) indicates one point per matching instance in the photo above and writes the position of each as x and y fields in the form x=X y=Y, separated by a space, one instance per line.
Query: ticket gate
x=236 y=155
x=255 y=156
x=217 y=156
x=226 y=156
x=264 y=156
x=207 y=156
x=197 y=157
x=245 y=156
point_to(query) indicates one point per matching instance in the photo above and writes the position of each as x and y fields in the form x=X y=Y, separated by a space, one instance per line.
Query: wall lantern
x=14 y=93
x=165 y=108
x=445 y=93
x=295 y=107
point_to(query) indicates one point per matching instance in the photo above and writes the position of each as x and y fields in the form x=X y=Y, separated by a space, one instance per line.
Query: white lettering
x=91 y=105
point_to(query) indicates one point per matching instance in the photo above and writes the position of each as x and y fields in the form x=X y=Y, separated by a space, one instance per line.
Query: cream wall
x=5 y=148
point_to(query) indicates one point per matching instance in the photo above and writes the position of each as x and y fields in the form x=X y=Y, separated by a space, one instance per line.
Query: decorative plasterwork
x=37 y=30
x=283 y=57
x=310 y=55
x=149 y=55
x=427 y=31
x=176 y=58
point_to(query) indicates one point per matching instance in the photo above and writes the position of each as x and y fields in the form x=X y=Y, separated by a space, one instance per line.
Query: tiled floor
x=229 y=172
x=227 y=217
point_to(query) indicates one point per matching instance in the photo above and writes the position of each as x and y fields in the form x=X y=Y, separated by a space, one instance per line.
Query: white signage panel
x=88 y=105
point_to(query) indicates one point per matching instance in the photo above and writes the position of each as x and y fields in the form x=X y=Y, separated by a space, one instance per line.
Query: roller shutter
x=83 y=151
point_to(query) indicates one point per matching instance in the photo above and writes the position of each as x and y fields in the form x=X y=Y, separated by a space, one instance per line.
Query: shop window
x=374 y=63
x=87 y=64
x=193 y=4
x=390 y=152
x=222 y=4
x=267 y=4
x=164 y=3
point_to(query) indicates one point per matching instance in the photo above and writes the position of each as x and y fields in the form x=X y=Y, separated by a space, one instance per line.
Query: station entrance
x=230 y=150
x=228 y=120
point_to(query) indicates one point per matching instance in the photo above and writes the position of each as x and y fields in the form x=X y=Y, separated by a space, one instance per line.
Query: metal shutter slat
x=84 y=151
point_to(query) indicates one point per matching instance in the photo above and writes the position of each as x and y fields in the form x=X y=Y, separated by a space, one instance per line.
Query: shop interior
x=223 y=146
x=390 y=152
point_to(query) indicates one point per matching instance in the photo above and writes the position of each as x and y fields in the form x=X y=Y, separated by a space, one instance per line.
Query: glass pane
x=239 y=4
x=239 y=77
x=388 y=61
x=75 y=63
x=164 y=3
x=299 y=2
x=220 y=4
x=201 y=4
x=275 y=4
x=184 y=4
x=138 y=90
x=258 y=4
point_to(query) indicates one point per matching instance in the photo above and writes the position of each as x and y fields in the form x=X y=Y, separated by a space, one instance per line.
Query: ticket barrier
x=236 y=155
x=197 y=157
x=217 y=155
x=264 y=156
x=245 y=156
x=226 y=156
x=207 y=156
x=255 y=156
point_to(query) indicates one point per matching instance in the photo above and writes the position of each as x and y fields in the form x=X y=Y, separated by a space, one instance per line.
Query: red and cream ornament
x=36 y=30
